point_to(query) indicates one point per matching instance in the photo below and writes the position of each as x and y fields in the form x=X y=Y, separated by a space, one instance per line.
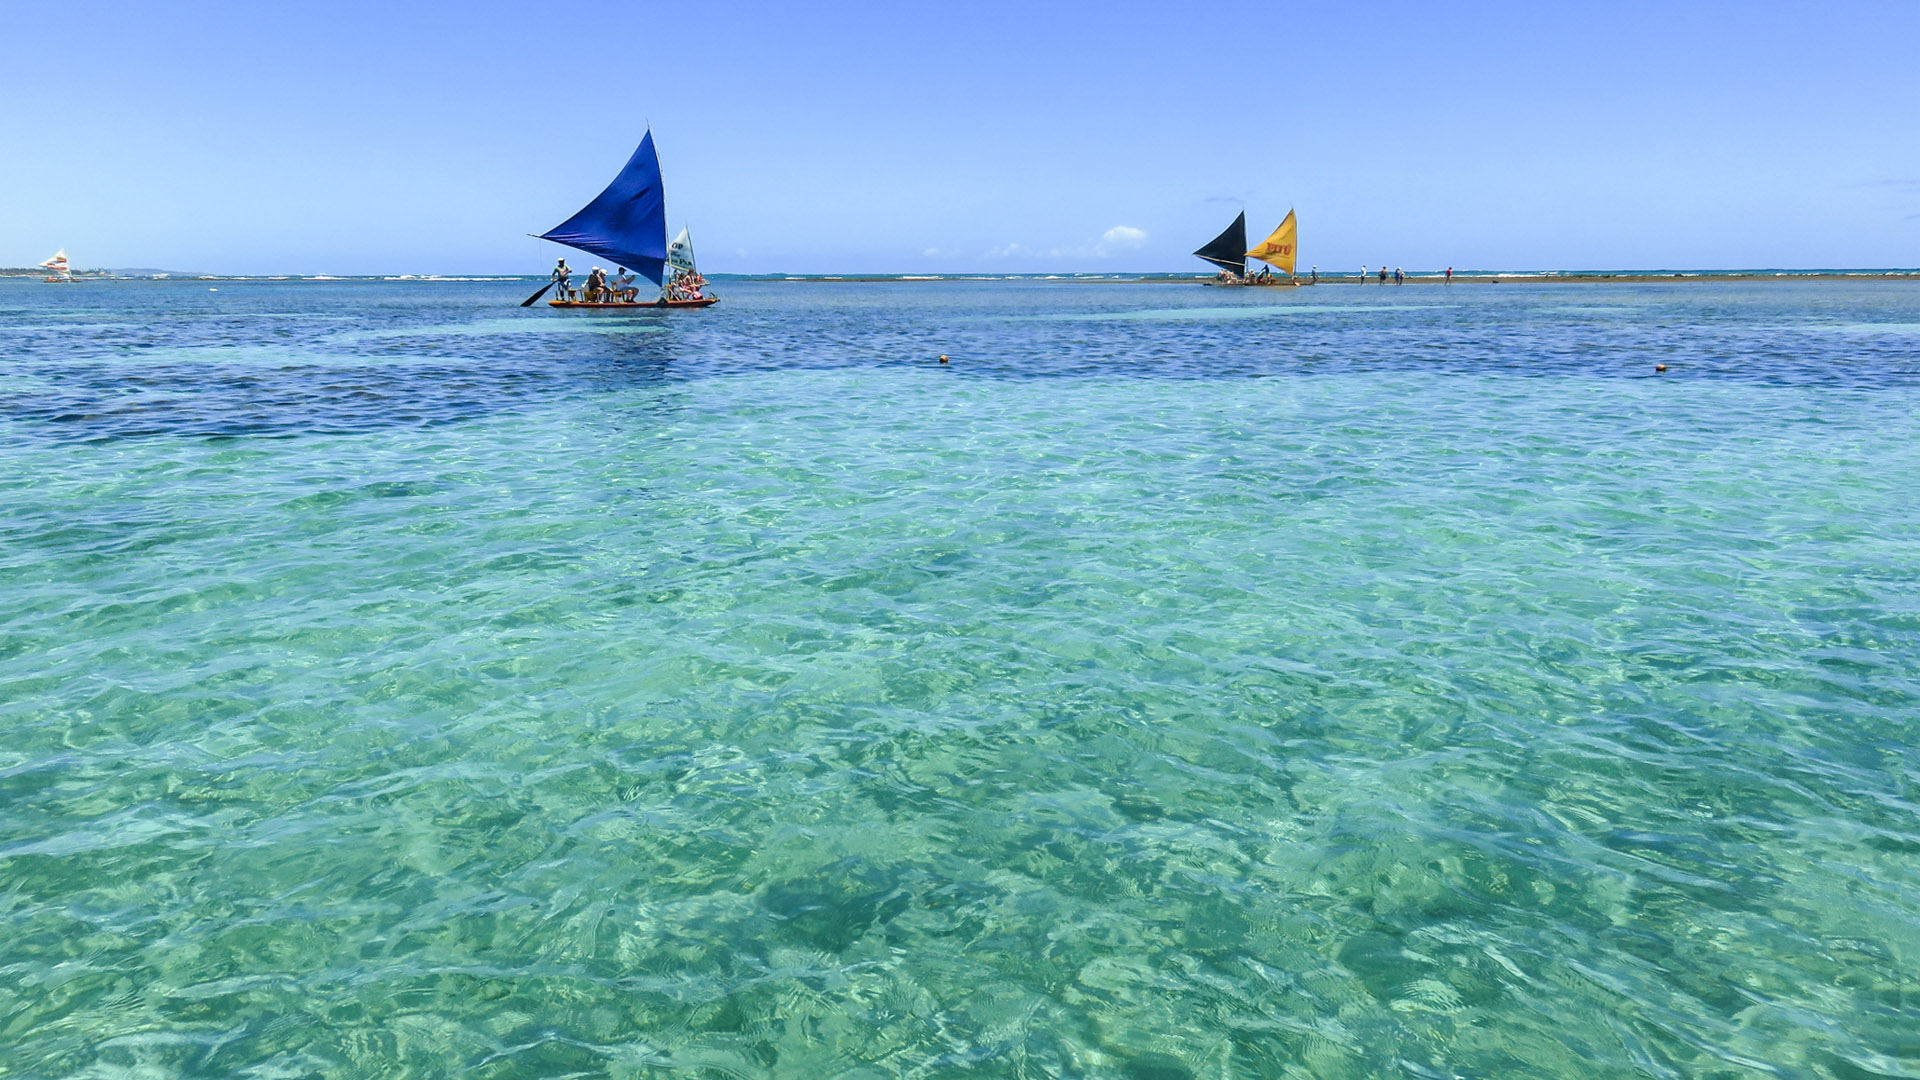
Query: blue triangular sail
x=627 y=223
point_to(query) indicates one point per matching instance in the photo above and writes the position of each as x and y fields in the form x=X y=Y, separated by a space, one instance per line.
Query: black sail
x=1228 y=251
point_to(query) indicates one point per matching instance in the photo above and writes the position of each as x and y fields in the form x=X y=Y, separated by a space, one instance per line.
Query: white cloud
x=1123 y=236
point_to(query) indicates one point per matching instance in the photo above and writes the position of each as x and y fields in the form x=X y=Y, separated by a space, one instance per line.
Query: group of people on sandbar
x=1399 y=277
x=599 y=288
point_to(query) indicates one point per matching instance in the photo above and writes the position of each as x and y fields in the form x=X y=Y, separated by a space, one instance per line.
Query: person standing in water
x=1449 y=275
x=1363 y=273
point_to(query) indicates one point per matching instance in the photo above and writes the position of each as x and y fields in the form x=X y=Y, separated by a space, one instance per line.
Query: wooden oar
x=528 y=302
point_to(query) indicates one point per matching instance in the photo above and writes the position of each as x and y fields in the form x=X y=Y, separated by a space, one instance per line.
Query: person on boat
x=623 y=289
x=559 y=278
x=685 y=285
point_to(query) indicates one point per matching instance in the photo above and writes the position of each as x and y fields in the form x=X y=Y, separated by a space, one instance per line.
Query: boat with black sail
x=1230 y=253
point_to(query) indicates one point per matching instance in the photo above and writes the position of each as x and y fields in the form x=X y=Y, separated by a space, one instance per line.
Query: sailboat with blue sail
x=627 y=225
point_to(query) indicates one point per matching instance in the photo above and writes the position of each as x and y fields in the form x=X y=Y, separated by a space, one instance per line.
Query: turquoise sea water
x=1181 y=683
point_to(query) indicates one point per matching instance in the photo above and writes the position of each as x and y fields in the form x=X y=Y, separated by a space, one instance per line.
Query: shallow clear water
x=1336 y=683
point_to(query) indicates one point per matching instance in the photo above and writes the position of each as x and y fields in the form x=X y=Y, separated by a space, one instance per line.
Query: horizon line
x=149 y=273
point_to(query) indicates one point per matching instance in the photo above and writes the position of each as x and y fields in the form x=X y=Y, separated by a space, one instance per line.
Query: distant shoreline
x=1425 y=277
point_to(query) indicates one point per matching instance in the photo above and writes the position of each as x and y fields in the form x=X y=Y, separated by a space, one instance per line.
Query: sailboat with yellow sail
x=1279 y=250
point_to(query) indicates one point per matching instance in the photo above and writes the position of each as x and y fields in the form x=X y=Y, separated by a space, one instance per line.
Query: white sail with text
x=680 y=252
x=683 y=275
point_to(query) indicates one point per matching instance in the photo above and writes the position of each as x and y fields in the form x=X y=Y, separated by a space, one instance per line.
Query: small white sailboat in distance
x=58 y=270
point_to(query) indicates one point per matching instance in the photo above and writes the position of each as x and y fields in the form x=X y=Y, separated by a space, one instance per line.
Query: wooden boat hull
x=708 y=302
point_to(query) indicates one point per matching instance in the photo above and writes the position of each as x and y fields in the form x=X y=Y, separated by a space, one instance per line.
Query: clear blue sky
x=344 y=137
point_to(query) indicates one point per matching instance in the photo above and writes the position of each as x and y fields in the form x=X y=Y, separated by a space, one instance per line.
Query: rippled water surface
x=1329 y=683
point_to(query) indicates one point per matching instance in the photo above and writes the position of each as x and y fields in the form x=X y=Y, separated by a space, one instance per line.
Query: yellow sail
x=1278 y=249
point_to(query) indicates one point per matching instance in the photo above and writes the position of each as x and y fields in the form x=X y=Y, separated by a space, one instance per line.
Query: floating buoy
x=1659 y=367
x=213 y=290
